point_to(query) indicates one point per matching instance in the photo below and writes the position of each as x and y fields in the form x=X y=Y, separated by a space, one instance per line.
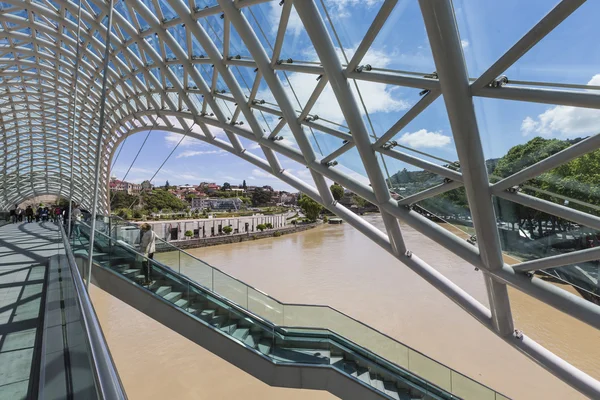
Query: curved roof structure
x=281 y=83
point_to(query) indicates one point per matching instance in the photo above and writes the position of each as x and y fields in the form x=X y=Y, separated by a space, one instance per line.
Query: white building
x=224 y=204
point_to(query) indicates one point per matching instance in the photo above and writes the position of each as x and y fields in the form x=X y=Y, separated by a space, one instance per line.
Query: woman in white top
x=148 y=247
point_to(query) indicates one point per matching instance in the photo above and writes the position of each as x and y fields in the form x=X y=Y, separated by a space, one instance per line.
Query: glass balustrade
x=189 y=283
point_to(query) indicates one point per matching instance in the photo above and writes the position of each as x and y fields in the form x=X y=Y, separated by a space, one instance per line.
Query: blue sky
x=570 y=54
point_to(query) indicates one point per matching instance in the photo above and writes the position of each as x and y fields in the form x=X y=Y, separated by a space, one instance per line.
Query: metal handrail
x=241 y=308
x=107 y=379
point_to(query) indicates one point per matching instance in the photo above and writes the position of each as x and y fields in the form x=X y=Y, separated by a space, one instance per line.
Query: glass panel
x=196 y=269
x=230 y=288
x=430 y=370
x=467 y=388
x=264 y=306
x=485 y=38
x=404 y=35
x=528 y=234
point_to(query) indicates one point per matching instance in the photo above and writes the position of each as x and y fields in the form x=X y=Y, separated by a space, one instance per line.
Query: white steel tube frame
x=131 y=102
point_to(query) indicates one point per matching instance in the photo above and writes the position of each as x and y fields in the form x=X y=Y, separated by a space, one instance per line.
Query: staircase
x=280 y=345
x=310 y=349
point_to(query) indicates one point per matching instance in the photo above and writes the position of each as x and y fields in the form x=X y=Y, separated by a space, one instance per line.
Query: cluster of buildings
x=117 y=185
x=209 y=195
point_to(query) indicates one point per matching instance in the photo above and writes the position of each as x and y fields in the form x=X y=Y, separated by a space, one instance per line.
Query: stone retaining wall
x=234 y=238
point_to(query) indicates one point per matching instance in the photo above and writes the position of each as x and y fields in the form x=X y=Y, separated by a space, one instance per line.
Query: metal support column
x=315 y=27
x=452 y=71
x=72 y=138
x=88 y=273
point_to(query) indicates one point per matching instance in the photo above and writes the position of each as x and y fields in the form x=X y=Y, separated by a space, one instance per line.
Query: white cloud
x=423 y=138
x=564 y=120
x=259 y=173
x=341 y=8
x=294 y=24
x=378 y=97
x=192 y=153
x=464 y=43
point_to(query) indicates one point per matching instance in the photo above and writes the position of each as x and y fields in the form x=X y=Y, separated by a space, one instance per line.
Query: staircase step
x=229 y=326
x=333 y=360
x=241 y=333
x=363 y=375
x=207 y=315
x=349 y=367
x=218 y=320
x=173 y=296
x=182 y=303
x=264 y=346
x=131 y=272
x=377 y=383
x=390 y=389
x=163 y=290
x=252 y=340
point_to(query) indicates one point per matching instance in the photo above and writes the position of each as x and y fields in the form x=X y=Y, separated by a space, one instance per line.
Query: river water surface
x=338 y=266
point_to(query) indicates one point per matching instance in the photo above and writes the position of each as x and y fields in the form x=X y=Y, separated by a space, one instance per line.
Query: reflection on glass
x=529 y=234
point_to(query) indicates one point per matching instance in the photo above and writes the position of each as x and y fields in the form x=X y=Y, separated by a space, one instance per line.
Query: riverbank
x=235 y=238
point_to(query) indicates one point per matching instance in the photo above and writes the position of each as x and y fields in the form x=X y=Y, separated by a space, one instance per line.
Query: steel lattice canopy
x=223 y=72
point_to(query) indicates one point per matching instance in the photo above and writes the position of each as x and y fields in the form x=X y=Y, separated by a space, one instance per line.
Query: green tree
x=359 y=201
x=188 y=234
x=261 y=227
x=167 y=186
x=226 y=186
x=309 y=207
x=121 y=200
x=524 y=155
x=260 y=197
x=163 y=200
x=269 y=225
x=337 y=191
x=244 y=185
x=227 y=229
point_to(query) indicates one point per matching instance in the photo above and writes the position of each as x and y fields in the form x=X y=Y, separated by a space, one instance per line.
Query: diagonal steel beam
x=558 y=14
x=315 y=27
x=444 y=39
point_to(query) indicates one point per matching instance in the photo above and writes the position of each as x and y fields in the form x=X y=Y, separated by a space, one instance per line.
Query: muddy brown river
x=338 y=266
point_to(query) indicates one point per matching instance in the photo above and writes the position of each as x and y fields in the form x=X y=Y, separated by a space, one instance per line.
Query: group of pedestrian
x=41 y=214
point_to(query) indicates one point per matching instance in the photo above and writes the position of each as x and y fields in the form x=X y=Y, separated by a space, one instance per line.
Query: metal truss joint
x=499 y=82
x=361 y=68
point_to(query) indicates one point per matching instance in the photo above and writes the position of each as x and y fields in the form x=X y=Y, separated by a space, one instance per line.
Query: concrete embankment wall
x=213 y=227
x=234 y=238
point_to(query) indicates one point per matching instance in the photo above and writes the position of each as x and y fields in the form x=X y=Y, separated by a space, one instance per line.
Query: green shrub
x=227 y=229
x=261 y=227
x=137 y=214
x=276 y=234
x=189 y=234
x=325 y=219
x=269 y=225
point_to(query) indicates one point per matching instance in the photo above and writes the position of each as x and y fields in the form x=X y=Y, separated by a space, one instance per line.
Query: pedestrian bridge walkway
x=24 y=253
x=51 y=345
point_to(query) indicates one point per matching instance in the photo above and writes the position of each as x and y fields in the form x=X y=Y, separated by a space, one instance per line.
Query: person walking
x=75 y=216
x=20 y=213
x=38 y=213
x=13 y=214
x=45 y=214
x=57 y=213
x=29 y=213
x=147 y=247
